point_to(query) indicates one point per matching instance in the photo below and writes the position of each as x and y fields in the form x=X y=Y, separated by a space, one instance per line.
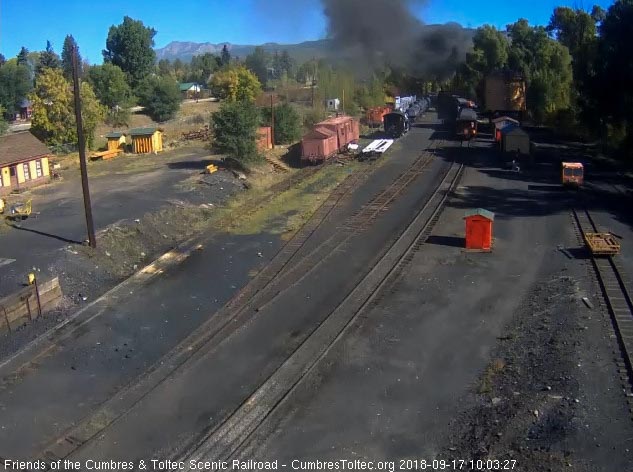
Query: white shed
x=332 y=104
x=515 y=139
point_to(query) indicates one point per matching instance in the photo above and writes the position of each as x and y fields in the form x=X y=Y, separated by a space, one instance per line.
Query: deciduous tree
x=110 y=85
x=15 y=84
x=160 y=95
x=257 y=62
x=236 y=83
x=53 y=109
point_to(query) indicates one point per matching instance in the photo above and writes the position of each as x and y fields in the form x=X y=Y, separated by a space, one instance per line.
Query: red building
x=479 y=229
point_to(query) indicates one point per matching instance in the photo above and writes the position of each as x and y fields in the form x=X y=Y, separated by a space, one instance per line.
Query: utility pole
x=82 y=151
x=272 y=118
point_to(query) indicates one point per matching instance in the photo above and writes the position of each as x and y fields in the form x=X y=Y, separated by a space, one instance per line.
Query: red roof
x=336 y=120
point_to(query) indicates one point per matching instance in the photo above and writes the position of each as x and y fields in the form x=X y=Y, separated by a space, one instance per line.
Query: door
x=475 y=235
x=13 y=177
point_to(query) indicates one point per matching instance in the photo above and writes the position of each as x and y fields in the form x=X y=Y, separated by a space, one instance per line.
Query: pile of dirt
x=526 y=401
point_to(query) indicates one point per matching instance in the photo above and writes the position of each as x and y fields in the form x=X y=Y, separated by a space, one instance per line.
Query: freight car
x=396 y=124
x=374 y=115
x=447 y=107
x=328 y=138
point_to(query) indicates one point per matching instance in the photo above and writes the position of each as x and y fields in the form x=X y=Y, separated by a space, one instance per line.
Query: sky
x=31 y=23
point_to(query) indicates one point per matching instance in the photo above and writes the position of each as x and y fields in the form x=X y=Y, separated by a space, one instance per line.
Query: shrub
x=287 y=123
x=235 y=130
x=160 y=96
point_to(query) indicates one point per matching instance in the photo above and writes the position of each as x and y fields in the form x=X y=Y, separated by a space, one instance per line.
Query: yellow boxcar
x=572 y=174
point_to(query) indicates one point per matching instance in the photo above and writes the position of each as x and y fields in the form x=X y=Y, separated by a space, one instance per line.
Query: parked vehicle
x=572 y=174
x=396 y=124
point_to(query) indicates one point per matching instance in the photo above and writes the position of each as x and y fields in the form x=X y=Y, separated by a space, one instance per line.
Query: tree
x=612 y=88
x=67 y=58
x=23 y=56
x=53 y=109
x=48 y=59
x=257 y=62
x=287 y=64
x=110 y=85
x=164 y=67
x=4 y=126
x=235 y=129
x=236 y=83
x=15 y=84
x=3 y=60
x=287 y=123
x=202 y=67
x=130 y=46
x=160 y=95
x=226 y=56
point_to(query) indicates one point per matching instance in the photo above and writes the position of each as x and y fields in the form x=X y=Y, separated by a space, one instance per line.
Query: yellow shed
x=23 y=162
x=145 y=140
x=116 y=140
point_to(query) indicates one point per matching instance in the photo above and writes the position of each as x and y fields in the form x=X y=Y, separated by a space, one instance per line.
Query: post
x=343 y=105
x=272 y=125
x=82 y=152
x=37 y=296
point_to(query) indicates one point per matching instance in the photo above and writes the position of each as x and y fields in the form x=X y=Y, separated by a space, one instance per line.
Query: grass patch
x=487 y=381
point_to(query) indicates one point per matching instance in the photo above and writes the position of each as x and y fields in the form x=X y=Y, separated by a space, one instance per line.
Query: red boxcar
x=375 y=115
x=329 y=137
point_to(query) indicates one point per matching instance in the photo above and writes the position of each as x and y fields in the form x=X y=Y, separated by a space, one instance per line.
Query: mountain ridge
x=185 y=50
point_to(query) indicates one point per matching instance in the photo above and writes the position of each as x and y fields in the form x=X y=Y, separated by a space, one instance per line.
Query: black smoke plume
x=386 y=33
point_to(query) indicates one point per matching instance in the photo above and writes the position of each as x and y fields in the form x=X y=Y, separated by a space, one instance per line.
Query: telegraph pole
x=82 y=151
x=272 y=118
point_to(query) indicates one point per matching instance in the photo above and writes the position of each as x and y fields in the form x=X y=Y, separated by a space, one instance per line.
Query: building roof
x=573 y=165
x=513 y=129
x=114 y=134
x=187 y=85
x=335 y=120
x=480 y=212
x=505 y=118
x=20 y=147
x=143 y=131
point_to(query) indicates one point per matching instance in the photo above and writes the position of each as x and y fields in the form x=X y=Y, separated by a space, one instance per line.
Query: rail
x=615 y=289
x=226 y=439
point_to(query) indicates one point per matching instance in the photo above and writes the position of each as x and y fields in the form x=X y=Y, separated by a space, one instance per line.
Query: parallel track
x=285 y=270
x=615 y=287
x=225 y=441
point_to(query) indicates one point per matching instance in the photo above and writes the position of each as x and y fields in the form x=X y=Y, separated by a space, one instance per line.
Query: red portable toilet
x=479 y=229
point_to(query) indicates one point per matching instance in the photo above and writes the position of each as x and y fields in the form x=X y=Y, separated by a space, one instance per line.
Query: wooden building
x=116 y=141
x=264 y=138
x=479 y=229
x=23 y=162
x=146 y=140
x=190 y=90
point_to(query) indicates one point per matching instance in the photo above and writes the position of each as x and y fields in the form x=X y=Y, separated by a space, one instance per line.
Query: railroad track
x=616 y=290
x=226 y=440
x=284 y=271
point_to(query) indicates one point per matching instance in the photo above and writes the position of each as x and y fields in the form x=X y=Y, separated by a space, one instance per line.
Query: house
x=190 y=90
x=26 y=109
x=23 y=162
x=515 y=139
x=146 y=140
x=116 y=140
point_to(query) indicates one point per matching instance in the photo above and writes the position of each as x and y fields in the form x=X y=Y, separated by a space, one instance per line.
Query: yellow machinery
x=20 y=210
x=2 y=205
x=602 y=244
x=572 y=174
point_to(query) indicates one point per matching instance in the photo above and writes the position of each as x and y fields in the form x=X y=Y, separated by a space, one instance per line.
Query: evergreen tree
x=226 y=56
x=67 y=60
x=48 y=59
x=23 y=56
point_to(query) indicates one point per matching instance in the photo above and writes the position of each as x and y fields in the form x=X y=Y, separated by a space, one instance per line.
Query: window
x=27 y=173
x=577 y=172
x=38 y=168
x=567 y=172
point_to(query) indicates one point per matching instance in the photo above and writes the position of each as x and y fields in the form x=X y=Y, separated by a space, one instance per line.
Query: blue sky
x=31 y=22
